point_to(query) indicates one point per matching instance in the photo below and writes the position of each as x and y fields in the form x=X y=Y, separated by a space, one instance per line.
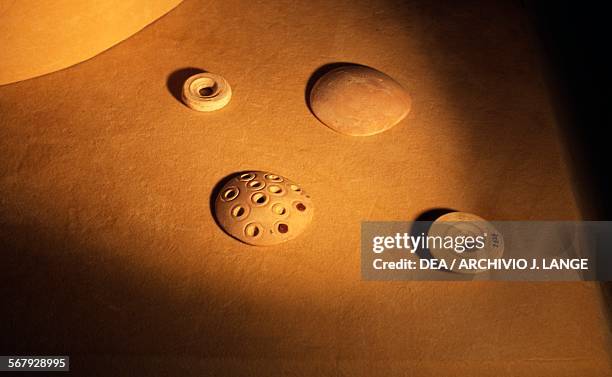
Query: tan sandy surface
x=110 y=253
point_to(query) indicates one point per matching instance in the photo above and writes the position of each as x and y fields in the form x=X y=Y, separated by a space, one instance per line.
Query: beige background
x=39 y=37
x=110 y=253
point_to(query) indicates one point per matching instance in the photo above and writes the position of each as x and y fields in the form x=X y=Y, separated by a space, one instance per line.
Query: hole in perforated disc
x=259 y=198
x=238 y=212
x=252 y=230
x=230 y=194
x=273 y=178
x=274 y=189
x=247 y=176
x=255 y=185
x=279 y=209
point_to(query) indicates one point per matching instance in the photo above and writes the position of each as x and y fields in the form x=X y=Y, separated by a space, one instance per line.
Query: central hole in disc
x=206 y=91
x=205 y=86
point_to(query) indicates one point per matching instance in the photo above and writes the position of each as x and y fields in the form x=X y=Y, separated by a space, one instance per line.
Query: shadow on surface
x=578 y=76
x=422 y=225
x=64 y=296
x=176 y=79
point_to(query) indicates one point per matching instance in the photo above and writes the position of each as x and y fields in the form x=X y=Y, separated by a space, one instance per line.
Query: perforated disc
x=262 y=208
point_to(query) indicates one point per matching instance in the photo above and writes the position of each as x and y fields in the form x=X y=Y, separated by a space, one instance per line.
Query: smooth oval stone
x=359 y=101
x=262 y=208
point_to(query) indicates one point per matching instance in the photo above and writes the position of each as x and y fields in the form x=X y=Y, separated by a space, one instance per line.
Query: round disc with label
x=453 y=229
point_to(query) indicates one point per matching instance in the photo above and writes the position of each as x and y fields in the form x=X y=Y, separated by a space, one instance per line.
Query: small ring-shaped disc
x=206 y=92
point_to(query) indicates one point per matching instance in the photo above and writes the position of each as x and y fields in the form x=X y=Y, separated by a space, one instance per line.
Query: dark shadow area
x=432 y=214
x=64 y=296
x=320 y=72
x=482 y=58
x=579 y=77
x=507 y=40
x=573 y=38
x=176 y=79
x=423 y=223
x=421 y=227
